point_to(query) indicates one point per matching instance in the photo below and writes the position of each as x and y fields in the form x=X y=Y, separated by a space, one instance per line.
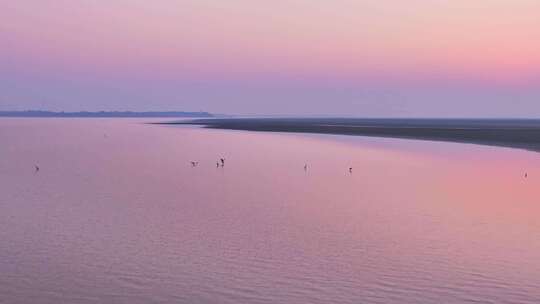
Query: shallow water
x=116 y=214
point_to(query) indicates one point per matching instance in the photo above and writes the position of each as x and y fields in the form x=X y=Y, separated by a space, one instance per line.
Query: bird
x=350 y=169
x=222 y=161
x=305 y=167
x=194 y=163
x=526 y=175
x=37 y=168
x=217 y=164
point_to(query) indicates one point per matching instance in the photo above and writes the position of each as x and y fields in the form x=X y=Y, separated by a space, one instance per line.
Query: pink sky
x=244 y=48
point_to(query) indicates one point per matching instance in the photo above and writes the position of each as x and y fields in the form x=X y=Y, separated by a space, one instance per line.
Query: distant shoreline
x=514 y=133
x=106 y=114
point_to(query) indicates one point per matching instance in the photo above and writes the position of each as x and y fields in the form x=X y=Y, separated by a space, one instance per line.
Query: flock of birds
x=221 y=163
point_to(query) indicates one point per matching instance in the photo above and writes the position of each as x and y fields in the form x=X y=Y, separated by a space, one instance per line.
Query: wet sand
x=517 y=133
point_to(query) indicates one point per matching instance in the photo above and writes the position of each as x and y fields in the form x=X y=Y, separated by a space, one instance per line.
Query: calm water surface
x=117 y=214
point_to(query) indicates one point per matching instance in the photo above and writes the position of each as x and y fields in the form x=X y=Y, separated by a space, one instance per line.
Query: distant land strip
x=119 y=114
x=516 y=133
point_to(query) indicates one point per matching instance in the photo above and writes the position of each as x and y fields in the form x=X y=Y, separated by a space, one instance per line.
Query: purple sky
x=295 y=57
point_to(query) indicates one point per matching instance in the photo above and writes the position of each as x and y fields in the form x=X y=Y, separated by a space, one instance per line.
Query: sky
x=414 y=58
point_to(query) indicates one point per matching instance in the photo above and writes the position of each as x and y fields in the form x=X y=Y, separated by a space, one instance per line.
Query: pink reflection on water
x=125 y=216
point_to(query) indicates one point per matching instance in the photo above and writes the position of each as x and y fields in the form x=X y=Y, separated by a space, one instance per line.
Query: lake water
x=117 y=214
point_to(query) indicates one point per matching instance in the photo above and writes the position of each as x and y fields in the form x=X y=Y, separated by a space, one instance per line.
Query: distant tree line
x=37 y=113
